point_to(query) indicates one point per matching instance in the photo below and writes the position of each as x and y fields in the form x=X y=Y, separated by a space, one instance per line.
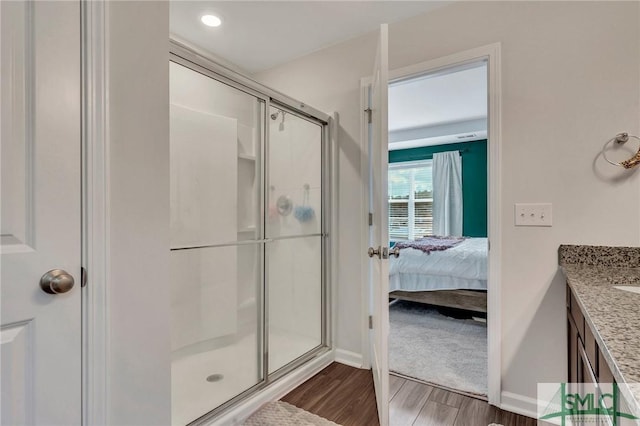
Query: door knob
x=373 y=252
x=56 y=281
x=395 y=252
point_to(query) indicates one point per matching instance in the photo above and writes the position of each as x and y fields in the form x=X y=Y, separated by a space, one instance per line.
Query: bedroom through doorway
x=438 y=221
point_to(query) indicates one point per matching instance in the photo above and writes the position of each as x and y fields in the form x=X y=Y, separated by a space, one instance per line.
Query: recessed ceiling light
x=211 y=20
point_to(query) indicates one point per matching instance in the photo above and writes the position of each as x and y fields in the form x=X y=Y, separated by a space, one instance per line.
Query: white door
x=379 y=230
x=40 y=184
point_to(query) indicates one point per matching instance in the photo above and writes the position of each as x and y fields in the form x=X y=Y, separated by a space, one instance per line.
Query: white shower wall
x=203 y=158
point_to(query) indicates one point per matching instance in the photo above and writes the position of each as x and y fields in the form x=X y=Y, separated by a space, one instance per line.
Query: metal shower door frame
x=189 y=57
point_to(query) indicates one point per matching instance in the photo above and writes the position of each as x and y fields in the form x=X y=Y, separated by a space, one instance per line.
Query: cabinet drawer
x=577 y=316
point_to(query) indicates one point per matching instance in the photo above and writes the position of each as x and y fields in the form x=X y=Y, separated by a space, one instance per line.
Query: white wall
x=139 y=371
x=570 y=82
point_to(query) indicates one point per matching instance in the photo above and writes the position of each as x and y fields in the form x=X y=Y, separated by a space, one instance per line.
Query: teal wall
x=474 y=180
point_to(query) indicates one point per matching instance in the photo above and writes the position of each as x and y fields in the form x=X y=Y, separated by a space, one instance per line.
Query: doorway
x=491 y=55
x=437 y=189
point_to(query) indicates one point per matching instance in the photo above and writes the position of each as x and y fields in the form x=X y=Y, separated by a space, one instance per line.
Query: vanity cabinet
x=586 y=364
x=582 y=368
x=584 y=354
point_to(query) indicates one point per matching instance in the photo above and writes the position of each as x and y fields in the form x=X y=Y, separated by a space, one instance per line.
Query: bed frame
x=470 y=300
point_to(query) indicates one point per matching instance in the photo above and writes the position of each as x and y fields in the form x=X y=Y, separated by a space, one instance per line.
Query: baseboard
x=241 y=412
x=519 y=404
x=349 y=358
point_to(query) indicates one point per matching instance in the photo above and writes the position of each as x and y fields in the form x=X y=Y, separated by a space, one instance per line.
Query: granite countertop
x=613 y=315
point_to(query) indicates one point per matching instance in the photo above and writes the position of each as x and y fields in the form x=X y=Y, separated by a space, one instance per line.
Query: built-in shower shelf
x=247 y=229
x=247 y=157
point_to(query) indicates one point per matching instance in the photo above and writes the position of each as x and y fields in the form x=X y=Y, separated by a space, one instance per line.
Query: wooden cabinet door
x=572 y=350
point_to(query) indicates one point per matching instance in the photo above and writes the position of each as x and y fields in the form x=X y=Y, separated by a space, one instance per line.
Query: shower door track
x=179 y=49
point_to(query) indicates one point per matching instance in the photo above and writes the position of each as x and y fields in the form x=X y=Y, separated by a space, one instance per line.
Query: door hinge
x=369 y=113
x=370 y=219
x=370 y=322
x=489 y=245
x=83 y=277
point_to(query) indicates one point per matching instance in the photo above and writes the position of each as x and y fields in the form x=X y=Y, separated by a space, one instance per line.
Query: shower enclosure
x=249 y=236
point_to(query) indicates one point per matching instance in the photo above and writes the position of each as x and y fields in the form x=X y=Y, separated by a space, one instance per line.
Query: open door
x=379 y=228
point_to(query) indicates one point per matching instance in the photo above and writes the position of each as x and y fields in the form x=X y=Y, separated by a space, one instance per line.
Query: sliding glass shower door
x=294 y=258
x=216 y=252
x=248 y=240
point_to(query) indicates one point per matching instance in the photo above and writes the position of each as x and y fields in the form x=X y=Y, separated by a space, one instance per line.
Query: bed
x=456 y=277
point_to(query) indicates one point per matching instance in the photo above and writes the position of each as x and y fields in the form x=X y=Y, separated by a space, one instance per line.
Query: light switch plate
x=533 y=214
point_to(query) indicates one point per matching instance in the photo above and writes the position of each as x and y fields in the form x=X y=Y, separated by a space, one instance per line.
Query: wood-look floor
x=346 y=396
x=340 y=393
x=414 y=403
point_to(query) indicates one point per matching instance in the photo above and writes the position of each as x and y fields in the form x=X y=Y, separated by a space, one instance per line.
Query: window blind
x=410 y=200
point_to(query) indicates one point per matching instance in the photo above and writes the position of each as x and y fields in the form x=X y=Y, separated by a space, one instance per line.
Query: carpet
x=279 y=413
x=434 y=348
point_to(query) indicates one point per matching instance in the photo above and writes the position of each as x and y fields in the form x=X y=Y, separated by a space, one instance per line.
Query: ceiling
x=440 y=99
x=258 y=35
x=449 y=106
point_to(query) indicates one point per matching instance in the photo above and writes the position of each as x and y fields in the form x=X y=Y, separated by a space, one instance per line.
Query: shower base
x=235 y=367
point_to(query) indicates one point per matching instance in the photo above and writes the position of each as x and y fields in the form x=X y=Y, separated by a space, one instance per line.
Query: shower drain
x=215 y=378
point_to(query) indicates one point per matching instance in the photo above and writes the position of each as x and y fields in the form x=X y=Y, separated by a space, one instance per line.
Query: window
x=410 y=200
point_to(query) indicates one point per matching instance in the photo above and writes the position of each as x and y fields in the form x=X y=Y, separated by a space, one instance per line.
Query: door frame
x=490 y=53
x=95 y=212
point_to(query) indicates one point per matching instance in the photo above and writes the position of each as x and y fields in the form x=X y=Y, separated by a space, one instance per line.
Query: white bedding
x=463 y=267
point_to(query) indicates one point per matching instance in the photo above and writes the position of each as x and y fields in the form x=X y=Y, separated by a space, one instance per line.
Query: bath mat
x=280 y=413
x=437 y=349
